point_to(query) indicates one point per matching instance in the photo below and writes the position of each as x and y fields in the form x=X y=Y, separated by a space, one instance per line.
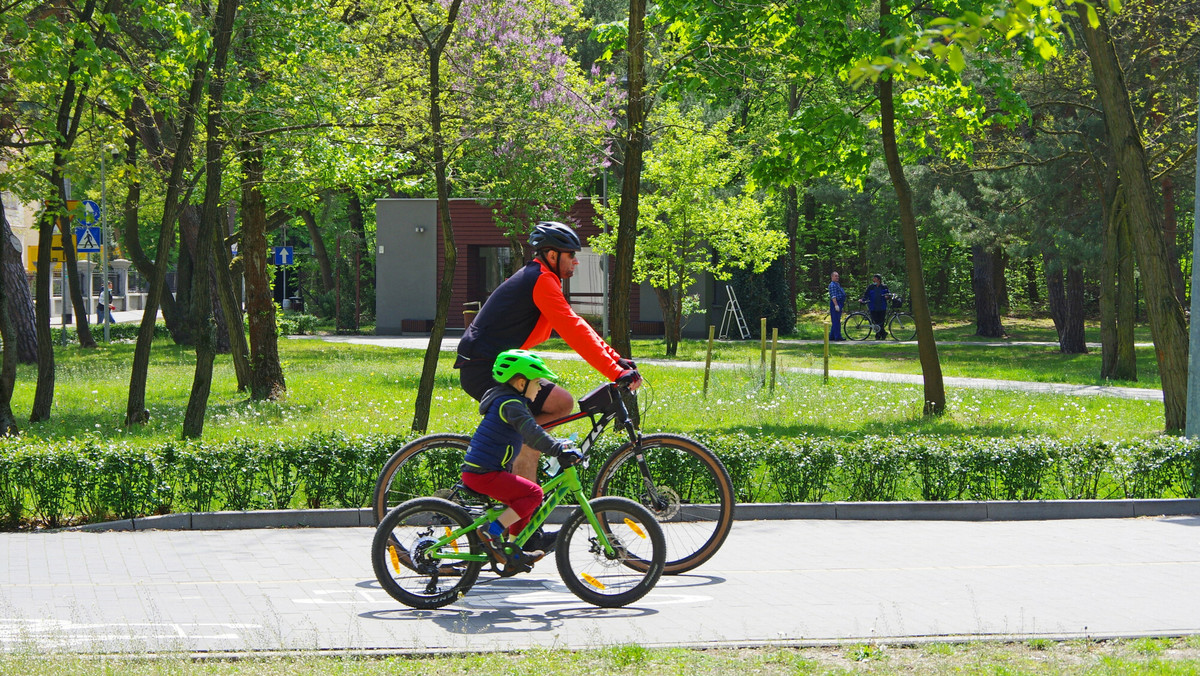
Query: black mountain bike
x=681 y=482
x=900 y=325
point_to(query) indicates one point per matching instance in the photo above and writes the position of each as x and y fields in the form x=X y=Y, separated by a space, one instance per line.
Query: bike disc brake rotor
x=420 y=558
x=667 y=505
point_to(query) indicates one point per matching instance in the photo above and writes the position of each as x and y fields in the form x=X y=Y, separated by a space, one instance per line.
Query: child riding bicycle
x=487 y=466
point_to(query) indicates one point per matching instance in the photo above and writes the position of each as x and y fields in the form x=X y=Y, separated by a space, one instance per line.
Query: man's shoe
x=542 y=541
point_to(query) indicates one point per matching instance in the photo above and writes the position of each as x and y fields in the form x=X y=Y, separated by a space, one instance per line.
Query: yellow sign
x=55 y=256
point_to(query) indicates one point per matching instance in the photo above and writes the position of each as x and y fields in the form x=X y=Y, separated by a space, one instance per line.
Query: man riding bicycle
x=520 y=314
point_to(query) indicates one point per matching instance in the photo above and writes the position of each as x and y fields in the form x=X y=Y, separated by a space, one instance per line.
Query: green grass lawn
x=362 y=389
x=1135 y=656
x=1036 y=363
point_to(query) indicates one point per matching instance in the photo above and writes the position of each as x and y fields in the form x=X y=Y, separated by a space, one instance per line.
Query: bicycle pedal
x=513 y=567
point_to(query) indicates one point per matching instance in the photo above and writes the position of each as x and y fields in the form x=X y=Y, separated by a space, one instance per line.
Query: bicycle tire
x=857 y=326
x=420 y=468
x=594 y=576
x=902 y=326
x=700 y=500
x=397 y=553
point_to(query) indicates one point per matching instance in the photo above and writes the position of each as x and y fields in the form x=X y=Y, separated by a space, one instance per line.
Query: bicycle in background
x=900 y=325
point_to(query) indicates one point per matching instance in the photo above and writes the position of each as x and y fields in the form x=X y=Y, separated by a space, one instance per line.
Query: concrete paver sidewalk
x=774 y=582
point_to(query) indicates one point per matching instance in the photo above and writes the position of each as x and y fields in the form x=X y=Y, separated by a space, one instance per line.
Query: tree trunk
x=319 y=251
x=931 y=369
x=135 y=409
x=43 y=395
x=1108 y=273
x=266 y=373
x=74 y=288
x=666 y=303
x=130 y=237
x=8 y=333
x=1126 y=365
x=20 y=302
x=791 y=223
x=1171 y=238
x=231 y=308
x=1072 y=340
x=421 y=406
x=635 y=138
x=1166 y=314
x=1056 y=292
x=792 y=209
x=1031 y=283
x=210 y=219
x=1000 y=280
x=987 y=310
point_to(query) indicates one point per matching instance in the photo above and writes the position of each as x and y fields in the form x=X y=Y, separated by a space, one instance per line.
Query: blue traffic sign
x=283 y=255
x=88 y=240
x=91 y=213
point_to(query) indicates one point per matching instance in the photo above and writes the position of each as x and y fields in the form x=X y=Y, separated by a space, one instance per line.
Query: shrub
x=90 y=479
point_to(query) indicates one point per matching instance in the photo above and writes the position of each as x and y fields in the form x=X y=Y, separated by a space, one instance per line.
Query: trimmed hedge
x=91 y=480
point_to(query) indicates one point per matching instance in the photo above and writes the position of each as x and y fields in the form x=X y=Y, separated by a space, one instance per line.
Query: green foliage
x=696 y=219
x=295 y=323
x=91 y=480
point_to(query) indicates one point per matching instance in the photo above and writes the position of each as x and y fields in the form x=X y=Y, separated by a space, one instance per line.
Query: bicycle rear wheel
x=693 y=494
x=620 y=578
x=402 y=547
x=857 y=326
x=902 y=327
x=421 y=468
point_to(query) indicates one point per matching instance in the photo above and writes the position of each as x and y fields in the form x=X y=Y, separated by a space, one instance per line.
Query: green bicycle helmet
x=520 y=363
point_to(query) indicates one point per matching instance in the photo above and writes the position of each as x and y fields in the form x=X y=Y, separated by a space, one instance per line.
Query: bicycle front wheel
x=857 y=326
x=403 y=548
x=689 y=492
x=902 y=327
x=421 y=468
x=604 y=579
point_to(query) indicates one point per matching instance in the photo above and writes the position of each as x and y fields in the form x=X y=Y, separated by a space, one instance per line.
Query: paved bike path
x=774 y=582
x=449 y=344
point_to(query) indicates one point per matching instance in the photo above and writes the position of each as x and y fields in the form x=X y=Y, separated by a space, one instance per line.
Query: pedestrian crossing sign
x=88 y=240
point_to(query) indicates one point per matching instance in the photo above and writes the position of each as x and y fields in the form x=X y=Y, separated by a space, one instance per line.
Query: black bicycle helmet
x=554 y=235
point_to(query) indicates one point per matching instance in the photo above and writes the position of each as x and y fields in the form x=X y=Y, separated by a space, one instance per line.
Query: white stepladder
x=733 y=312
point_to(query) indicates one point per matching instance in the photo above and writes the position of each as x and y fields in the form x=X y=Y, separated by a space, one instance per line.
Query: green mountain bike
x=428 y=552
x=681 y=482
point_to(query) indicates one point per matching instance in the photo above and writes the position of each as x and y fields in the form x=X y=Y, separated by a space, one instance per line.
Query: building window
x=495 y=263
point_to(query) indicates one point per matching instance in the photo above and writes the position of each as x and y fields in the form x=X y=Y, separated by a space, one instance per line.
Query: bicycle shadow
x=510 y=605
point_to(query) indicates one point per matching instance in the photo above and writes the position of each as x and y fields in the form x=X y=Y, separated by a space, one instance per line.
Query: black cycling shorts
x=477 y=380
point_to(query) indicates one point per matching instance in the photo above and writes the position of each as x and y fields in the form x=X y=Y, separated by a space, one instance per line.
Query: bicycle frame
x=557 y=488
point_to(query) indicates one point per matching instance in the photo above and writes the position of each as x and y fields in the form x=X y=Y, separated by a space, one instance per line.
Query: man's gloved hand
x=629 y=377
x=569 y=455
x=627 y=364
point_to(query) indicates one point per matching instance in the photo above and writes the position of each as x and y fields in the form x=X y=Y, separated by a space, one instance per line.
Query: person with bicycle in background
x=876 y=297
x=520 y=314
x=507 y=426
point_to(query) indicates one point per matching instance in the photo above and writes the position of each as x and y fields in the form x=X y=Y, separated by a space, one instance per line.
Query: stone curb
x=997 y=510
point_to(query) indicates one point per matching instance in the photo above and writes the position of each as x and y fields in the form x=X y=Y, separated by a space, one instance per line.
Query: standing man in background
x=837 y=303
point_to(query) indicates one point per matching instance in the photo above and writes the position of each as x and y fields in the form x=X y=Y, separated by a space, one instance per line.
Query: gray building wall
x=694 y=326
x=406 y=262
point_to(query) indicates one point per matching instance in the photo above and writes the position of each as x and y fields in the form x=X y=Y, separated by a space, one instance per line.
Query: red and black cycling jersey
x=522 y=312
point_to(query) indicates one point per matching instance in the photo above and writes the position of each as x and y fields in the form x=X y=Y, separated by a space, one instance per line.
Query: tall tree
x=633 y=147
x=1166 y=315
x=210 y=218
x=435 y=35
